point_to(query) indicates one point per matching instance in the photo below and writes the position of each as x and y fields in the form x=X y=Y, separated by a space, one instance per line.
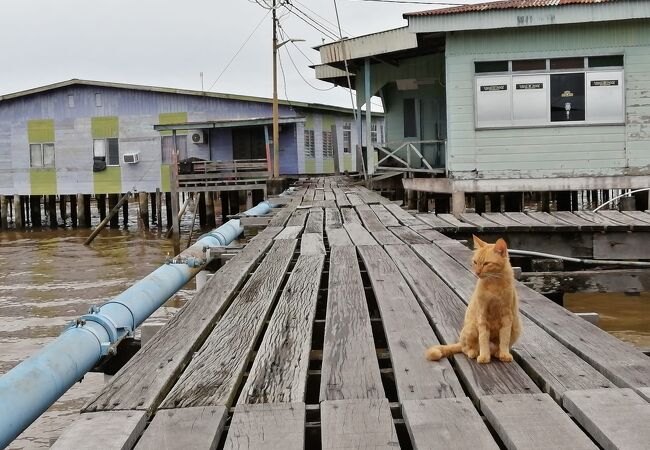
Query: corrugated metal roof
x=505 y=4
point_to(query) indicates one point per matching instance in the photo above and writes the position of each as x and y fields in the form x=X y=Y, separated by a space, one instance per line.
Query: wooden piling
x=101 y=206
x=159 y=208
x=111 y=214
x=88 y=215
x=143 y=203
x=4 y=223
x=545 y=200
x=154 y=213
x=73 y=211
x=81 y=212
x=225 y=206
x=51 y=211
x=35 y=206
x=24 y=204
x=209 y=210
x=125 y=212
x=63 y=208
x=495 y=202
x=423 y=202
x=112 y=202
x=411 y=199
x=234 y=202
x=575 y=206
x=200 y=199
x=18 y=213
x=479 y=203
x=563 y=200
x=168 y=208
x=249 y=199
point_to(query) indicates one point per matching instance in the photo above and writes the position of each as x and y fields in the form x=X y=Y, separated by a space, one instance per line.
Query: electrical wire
x=240 y=49
x=285 y=37
x=312 y=23
x=318 y=15
x=345 y=61
x=414 y=2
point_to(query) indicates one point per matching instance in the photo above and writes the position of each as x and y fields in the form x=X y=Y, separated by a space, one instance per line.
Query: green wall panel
x=165 y=182
x=105 y=127
x=328 y=121
x=171 y=118
x=309 y=122
x=310 y=165
x=108 y=181
x=39 y=131
x=43 y=181
x=328 y=165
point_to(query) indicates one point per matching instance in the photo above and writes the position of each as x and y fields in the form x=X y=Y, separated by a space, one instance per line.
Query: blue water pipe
x=32 y=386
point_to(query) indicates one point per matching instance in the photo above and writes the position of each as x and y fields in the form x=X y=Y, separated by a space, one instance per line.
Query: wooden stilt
x=101 y=205
x=546 y=201
x=143 y=203
x=35 y=206
x=125 y=214
x=159 y=208
x=87 y=212
x=234 y=202
x=51 y=211
x=111 y=214
x=575 y=206
x=457 y=203
x=411 y=199
x=81 y=211
x=4 y=222
x=495 y=202
x=112 y=201
x=423 y=202
x=200 y=199
x=249 y=199
x=73 y=210
x=154 y=213
x=63 y=208
x=24 y=204
x=209 y=210
x=479 y=205
x=563 y=199
x=168 y=208
x=225 y=206
x=18 y=213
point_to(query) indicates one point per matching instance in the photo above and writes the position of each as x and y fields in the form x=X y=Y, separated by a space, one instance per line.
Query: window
x=167 y=143
x=310 y=146
x=347 y=137
x=328 y=145
x=106 y=150
x=98 y=100
x=410 y=124
x=41 y=155
x=373 y=132
x=490 y=66
x=70 y=101
x=543 y=92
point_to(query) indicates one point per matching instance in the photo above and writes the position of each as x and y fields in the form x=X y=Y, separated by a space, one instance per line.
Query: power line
x=298 y=70
x=414 y=2
x=312 y=23
x=240 y=49
x=318 y=15
x=345 y=60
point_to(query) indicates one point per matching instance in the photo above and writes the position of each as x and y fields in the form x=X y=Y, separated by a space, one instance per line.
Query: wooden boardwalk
x=313 y=336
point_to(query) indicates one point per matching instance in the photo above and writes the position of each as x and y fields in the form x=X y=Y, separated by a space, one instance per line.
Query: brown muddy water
x=48 y=278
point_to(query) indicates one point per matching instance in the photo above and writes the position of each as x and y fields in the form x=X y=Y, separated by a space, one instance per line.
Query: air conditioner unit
x=197 y=136
x=131 y=158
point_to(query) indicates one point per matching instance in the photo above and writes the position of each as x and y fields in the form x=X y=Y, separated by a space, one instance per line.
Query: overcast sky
x=169 y=43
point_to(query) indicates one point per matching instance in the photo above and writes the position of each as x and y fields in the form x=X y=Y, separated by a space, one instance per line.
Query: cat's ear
x=500 y=247
x=478 y=243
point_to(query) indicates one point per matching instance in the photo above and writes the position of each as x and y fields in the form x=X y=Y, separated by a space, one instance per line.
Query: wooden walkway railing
x=226 y=175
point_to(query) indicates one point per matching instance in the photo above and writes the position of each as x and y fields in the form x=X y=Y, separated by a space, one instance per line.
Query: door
x=248 y=143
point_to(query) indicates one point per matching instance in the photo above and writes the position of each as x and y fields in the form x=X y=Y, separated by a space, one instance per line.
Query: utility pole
x=276 y=127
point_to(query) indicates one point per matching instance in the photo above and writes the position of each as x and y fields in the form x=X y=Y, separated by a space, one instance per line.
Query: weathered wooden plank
x=386 y=237
x=372 y=196
x=638 y=215
x=532 y=223
x=211 y=378
x=407 y=235
x=356 y=424
x=622 y=245
x=583 y=224
x=415 y=377
x=446 y=423
x=107 y=429
x=312 y=244
x=621 y=363
x=319 y=195
x=329 y=195
x=350 y=369
x=279 y=426
x=437 y=223
x=350 y=216
x=354 y=199
x=184 y=428
x=144 y=380
x=325 y=204
x=446 y=311
x=615 y=418
x=298 y=218
x=429 y=234
x=279 y=372
x=341 y=199
x=461 y=227
x=290 y=233
x=359 y=235
x=333 y=218
x=609 y=224
x=532 y=422
x=554 y=367
x=482 y=223
x=635 y=225
x=403 y=216
x=620 y=280
x=338 y=237
x=385 y=216
x=507 y=222
x=644 y=392
x=555 y=222
x=315 y=221
x=369 y=219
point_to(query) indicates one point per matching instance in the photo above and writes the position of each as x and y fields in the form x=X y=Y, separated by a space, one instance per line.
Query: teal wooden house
x=509 y=96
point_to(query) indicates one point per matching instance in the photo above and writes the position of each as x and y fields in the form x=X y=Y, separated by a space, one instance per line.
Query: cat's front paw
x=483 y=359
x=471 y=353
x=505 y=357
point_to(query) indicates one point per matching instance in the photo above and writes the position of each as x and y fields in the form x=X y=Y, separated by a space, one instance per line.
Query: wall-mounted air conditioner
x=198 y=137
x=131 y=158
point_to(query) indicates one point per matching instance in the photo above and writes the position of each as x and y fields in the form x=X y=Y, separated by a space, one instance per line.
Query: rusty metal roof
x=505 y=4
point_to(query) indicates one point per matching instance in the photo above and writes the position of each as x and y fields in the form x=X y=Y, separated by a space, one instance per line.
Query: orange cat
x=492 y=321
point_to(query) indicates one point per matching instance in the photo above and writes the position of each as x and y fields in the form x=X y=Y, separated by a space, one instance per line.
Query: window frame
x=41 y=146
x=328 y=144
x=347 y=137
x=309 y=144
x=105 y=158
x=547 y=123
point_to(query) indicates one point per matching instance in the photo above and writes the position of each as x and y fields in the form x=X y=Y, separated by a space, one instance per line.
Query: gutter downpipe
x=31 y=387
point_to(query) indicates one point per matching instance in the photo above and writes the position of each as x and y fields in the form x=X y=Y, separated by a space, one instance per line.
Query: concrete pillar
x=73 y=210
x=101 y=206
x=19 y=223
x=112 y=203
x=4 y=209
x=81 y=212
x=209 y=210
x=143 y=203
x=457 y=203
x=51 y=211
x=35 y=206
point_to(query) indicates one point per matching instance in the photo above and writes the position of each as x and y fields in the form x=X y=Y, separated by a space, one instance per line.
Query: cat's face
x=489 y=260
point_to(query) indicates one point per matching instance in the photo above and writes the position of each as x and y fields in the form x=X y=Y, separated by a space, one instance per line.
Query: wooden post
x=81 y=212
x=225 y=206
x=18 y=213
x=51 y=211
x=112 y=201
x=495 y=202
x=197 y=196
x=479 y=202
x=337 y=163
x=411 y=199
x=143 y=203
x=574 y=201
x=249 y=199
x=200 y=199
x=101 y=206
x=209 y=210
x=563 y=200
x=168 y=209
x=35 y=206
x=159 y=208
x=546 y=201
x=174 y=191
x=457 y=203
x=73 y=210
x=112 y=213
x=442 y=204
x=87 y=212
x=234 y=202
x=154 y=213
x=63 y=208
x=4 y=223
x=125 y=213
x=423 y=202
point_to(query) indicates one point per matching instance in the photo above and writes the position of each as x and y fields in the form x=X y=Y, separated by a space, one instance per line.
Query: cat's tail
x=434 y=353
